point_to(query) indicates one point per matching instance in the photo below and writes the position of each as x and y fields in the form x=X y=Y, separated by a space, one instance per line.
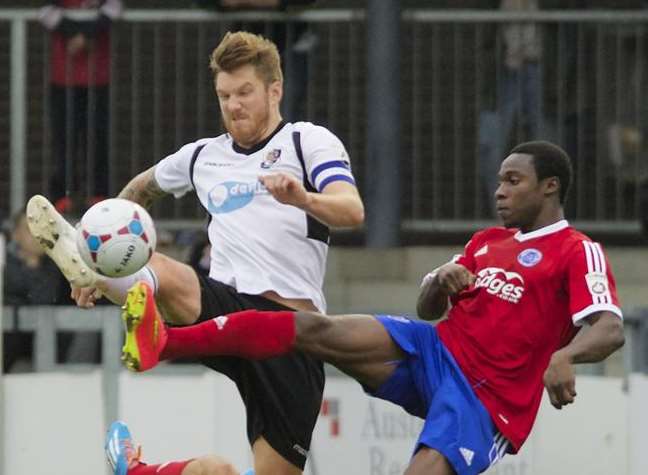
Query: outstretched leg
x=124 y=458
x=357 y=344
x=176 y=292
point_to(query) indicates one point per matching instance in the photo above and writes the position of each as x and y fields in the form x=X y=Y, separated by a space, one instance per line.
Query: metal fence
x=590 y=81
x=101 y=327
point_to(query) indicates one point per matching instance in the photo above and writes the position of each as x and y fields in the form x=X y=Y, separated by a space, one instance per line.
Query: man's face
x=247 y=105
x=519 y=197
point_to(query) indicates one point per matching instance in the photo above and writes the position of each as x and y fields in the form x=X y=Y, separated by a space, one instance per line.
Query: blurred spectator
x=30 y=278
x=79 y=95
x=627 y=109
x=518 y=94
x=295 y=41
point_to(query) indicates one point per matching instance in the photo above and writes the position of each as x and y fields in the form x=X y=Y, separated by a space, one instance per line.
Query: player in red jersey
x=529 y=300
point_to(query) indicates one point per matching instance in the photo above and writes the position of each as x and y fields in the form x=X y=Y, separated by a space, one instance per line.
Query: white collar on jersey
x=552 y=228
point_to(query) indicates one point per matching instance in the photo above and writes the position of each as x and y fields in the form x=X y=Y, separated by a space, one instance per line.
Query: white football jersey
x=259 y=244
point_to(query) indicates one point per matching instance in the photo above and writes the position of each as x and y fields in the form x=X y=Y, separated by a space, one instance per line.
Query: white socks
x=116 y=288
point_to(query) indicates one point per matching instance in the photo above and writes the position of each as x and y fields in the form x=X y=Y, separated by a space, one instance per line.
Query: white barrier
x=377 y=438
x=54 y=425
x=637 y=420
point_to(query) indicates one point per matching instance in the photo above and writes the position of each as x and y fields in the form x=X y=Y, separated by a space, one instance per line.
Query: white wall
x=55 y=425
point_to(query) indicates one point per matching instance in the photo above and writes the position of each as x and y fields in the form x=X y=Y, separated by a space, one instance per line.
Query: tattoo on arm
x=143 y=189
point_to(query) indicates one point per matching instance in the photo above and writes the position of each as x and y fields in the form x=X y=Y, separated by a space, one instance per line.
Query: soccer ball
x=116 y=237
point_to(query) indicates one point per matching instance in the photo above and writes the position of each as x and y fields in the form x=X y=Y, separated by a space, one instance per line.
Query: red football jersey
x=531 y=293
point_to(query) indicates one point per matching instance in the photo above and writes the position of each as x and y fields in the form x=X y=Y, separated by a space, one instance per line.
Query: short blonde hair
x=241 y=49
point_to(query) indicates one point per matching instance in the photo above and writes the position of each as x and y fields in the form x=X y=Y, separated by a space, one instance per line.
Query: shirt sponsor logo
x=508 y=286
x=529 y=257
x=232 y=195
x=271 y=158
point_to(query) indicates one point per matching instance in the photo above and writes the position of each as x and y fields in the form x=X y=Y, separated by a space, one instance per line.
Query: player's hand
x=85 y=297
x=560 y=381
x=286 y=189
x=453 y=278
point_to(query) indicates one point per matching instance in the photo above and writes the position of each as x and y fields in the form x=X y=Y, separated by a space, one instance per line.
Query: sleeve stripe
x=597 y=258
x=596 y=264
x=325 y=166
x=599 y=250
x=333 y=178
x=605 y=298
x=588 y=255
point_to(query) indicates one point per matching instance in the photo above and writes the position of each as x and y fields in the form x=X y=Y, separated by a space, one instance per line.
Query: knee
x=212 y=465
x=178 y=293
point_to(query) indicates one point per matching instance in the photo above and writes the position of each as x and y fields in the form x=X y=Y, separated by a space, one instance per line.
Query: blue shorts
x=429 y=384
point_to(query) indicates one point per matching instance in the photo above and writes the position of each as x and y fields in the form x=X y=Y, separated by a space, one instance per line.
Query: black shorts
x=282 y=395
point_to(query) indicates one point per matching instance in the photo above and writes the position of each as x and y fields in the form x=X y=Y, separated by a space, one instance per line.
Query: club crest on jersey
x=508 y=286
x=271 y=158
x=529 y=257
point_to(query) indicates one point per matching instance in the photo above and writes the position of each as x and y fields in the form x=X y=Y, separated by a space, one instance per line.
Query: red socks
x=251 y=334
x=171 y=468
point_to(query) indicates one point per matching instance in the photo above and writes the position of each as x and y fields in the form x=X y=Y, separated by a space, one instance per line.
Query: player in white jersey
x=271 y=189
x=226 y=180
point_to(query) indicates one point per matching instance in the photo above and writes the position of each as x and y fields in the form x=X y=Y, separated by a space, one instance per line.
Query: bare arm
x=444 y=282
x=143 y=189
x=592 y=344
x=595 y=342
x=432 y=302
x=338 y=205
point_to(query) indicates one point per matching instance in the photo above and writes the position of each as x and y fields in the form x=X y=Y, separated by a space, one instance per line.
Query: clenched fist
x=286 y=189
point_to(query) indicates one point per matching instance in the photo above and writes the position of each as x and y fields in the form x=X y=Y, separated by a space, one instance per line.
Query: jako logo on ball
x=116 y=237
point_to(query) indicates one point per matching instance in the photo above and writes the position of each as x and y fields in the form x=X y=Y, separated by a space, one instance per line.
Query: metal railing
x=46 y=321
x=592 y=77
